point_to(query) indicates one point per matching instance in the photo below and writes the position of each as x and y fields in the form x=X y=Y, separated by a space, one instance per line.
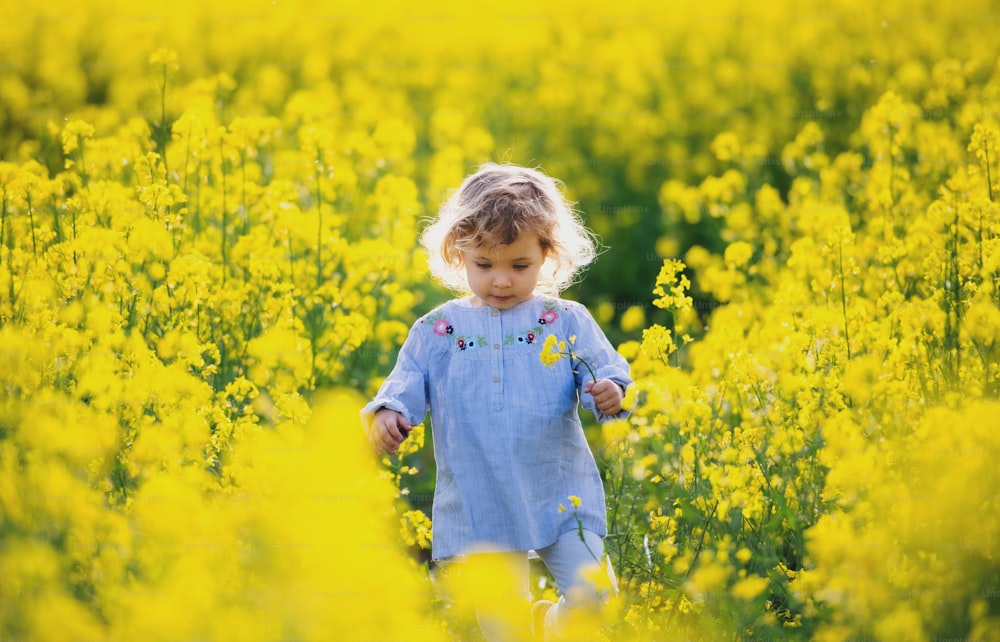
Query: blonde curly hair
x=493 y=207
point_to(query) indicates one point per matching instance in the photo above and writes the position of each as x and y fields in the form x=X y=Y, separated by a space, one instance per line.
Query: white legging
x=567 y=559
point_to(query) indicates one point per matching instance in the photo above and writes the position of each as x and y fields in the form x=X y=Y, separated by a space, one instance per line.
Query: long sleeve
x=593 y=346
x=405 y=390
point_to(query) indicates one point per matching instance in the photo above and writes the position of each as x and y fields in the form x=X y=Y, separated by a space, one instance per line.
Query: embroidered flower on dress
x=470 y=343
x=548 y=317
x=440 y=325
x=527 y=337
x=531 y=336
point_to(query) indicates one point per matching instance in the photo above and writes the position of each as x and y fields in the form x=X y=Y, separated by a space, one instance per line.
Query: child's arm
x=604 y=397
x=401 y=401
x=388 y=430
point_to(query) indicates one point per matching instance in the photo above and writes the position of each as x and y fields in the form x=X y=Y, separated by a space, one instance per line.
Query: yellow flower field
x=209 y=215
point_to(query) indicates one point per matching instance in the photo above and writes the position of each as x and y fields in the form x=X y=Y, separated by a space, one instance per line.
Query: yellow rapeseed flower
x=553 y=350
x=165 y=57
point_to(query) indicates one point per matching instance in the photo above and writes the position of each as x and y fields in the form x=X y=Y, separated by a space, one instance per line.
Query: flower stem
x=584 y=362
x=843 y=296
x=31 y=221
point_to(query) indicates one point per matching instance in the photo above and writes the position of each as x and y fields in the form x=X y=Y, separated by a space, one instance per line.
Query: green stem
x=73 y=219
x=163 y=120
x=84 y=178
x=196 y=220
x=187 y=161
x=989 y=178
x=694 y=562
x=956 y=295
x=989 y=189
x=579 y=530
x=246 y=211
x=10 y=269
x=291 y=259
x=156 y=200
x=225 y=214
x=843 y=296
x=623 y=546
x=319 y=223
x=3 y=218
x=584 y=362
x=243 y=175
x=31 y=221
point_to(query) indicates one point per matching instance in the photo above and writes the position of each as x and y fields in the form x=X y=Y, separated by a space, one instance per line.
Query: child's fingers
x=382 y=437
x=602 y=390
x=611 y=407
x=607 y=396
x=388 y=446
x=394 y=432
x=381 y=440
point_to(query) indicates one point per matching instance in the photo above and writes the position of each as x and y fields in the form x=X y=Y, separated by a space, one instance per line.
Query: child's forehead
x=526 y=245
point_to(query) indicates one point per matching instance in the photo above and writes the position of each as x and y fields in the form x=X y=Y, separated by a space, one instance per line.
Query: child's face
x=503 y=276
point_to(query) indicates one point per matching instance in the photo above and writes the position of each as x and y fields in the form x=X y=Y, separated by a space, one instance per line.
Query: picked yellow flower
x=552 y=350
x=574 y=502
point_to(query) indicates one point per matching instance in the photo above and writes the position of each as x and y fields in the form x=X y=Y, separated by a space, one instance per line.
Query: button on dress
x=508 y=441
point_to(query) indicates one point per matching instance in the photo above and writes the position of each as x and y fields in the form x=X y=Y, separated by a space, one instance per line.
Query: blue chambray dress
x=508 y=441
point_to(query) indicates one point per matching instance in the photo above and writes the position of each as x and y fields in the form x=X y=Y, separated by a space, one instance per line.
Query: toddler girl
x=508 y=442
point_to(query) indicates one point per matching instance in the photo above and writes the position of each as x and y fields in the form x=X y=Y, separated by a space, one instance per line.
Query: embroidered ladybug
x=461 y=344
x=531 y=337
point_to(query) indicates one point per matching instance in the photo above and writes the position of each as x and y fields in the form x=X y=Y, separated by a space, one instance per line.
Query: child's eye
x=520 y=267
x=483 y=266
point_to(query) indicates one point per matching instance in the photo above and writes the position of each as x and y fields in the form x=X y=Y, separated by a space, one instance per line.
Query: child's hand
x=388 y=430
x=607 y=396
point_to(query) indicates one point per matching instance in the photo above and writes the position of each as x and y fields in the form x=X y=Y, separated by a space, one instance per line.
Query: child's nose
x=502 y=279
